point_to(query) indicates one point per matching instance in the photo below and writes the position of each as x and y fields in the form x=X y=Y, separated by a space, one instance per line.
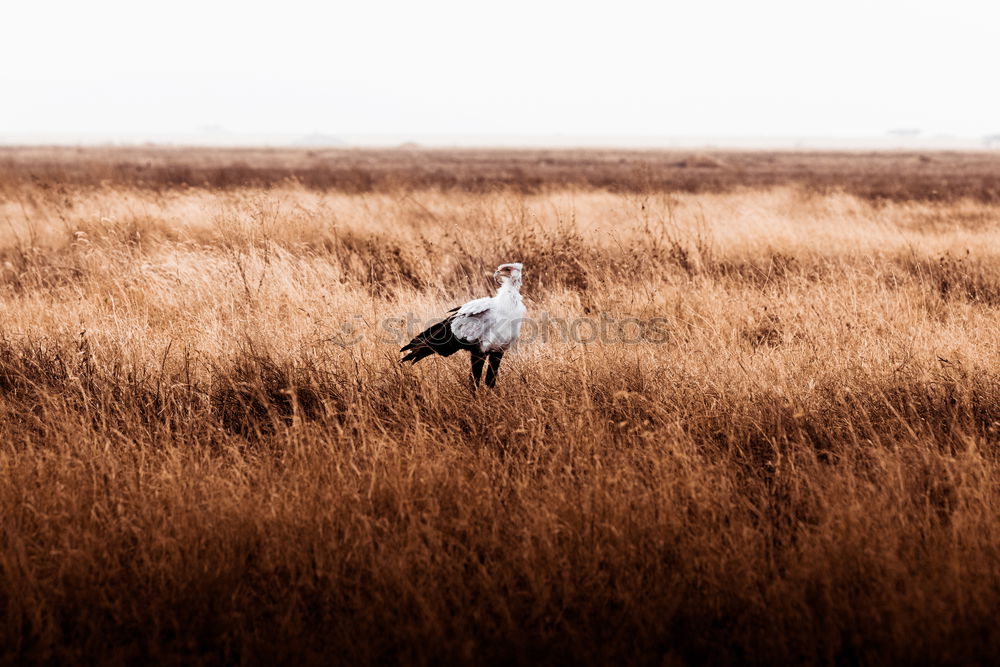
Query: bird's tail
x=416 y=354
x=436 y=339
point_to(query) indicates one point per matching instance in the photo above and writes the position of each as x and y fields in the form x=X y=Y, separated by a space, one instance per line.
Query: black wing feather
x=436 y=339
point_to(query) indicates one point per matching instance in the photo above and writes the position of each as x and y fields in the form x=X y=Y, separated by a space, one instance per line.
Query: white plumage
x=485 y=327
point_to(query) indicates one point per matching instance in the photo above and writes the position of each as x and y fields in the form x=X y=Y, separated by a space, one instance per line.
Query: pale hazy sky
x=771 y=67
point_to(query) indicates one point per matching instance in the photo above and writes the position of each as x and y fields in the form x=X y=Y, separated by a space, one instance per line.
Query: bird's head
x=508 y=272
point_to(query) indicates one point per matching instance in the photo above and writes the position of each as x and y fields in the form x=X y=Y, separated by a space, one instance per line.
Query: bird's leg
x=494 y=368
x=478 y=358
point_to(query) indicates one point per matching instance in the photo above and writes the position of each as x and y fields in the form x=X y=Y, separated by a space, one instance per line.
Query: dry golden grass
x=890 y=175
x=210 y=453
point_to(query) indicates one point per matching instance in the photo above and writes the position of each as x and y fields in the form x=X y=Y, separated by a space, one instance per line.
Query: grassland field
x=755 y=416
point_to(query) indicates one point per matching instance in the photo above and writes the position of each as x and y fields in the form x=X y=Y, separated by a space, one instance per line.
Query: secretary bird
x=485 y=327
